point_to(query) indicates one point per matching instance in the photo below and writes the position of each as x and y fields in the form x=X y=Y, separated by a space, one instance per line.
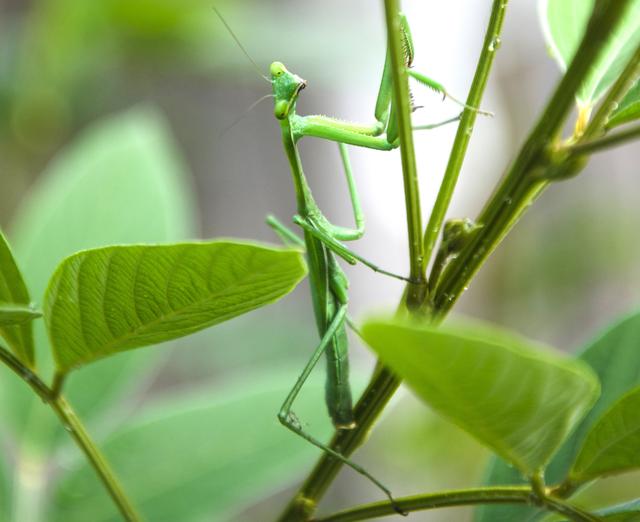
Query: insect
x=324 y=241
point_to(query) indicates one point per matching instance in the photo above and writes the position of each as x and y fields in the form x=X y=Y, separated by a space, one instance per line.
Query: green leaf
x=626 y=512
x=518 y=398
x=564 y=23
x=11 y=315
x=121 y=181
x=112 y=299
x=613 y=443
x=629 y=108
x=615 y=358
x=203 y=457
x=13 y=291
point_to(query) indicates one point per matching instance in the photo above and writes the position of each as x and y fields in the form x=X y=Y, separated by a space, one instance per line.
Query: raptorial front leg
x=380 y=135
x=337 y=130
x=439 y=88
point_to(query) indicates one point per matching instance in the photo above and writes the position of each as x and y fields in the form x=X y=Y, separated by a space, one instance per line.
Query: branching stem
x=527 y=177
x=73 y=425
x=456 y=498
x=465 y=128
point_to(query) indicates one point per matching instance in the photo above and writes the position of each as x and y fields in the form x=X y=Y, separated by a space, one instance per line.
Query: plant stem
x=606 y=142
x=532 y=169
x=416 y=291
x=453 y=498
x=74 y=426
x=25 y=373
x=465 y=127
x=489 y=495
x=58 y=383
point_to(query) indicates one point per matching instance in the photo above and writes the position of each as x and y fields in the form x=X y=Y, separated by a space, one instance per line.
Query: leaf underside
x=517 y=398
x=614 y=356
x=564 y=23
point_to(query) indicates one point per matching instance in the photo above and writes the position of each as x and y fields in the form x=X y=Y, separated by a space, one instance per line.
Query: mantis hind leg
x=289 y=419
x=288 y=236
x=329 y=241
x=438 y=124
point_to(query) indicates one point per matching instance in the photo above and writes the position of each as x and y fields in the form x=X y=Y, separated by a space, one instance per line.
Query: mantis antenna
x=243 y=114
x=237 y=40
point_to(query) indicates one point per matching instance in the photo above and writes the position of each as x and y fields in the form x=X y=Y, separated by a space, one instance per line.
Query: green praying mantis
x=324 y=241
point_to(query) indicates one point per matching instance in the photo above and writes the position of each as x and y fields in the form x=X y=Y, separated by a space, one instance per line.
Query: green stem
x=58 y=383
x=565 y=489
x=530 y=172
x=455 y=498
x=465 y=128
x=25 y=373
x=73 y=425
x=416 y=291
x=599 y=144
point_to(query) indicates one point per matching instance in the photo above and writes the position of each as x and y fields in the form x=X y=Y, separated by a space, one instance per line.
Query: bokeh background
x=156 y=88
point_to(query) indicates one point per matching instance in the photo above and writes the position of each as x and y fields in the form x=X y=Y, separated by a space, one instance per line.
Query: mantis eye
x=277 y=69
x=280 y=110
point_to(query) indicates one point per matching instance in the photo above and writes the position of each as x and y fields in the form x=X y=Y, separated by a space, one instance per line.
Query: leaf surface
x=629 y=108
x=108 y=300
x=613 y=443
x=120 y=181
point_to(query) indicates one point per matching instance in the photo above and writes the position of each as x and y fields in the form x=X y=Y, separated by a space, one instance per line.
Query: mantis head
x=286 y=87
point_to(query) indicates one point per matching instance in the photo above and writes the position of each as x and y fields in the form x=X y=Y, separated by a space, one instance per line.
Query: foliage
x=555 y=423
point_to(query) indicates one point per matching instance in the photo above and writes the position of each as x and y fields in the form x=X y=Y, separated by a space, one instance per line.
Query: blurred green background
x=114 y=128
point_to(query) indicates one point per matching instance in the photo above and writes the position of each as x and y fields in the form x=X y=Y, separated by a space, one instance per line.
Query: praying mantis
x=324 y=241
